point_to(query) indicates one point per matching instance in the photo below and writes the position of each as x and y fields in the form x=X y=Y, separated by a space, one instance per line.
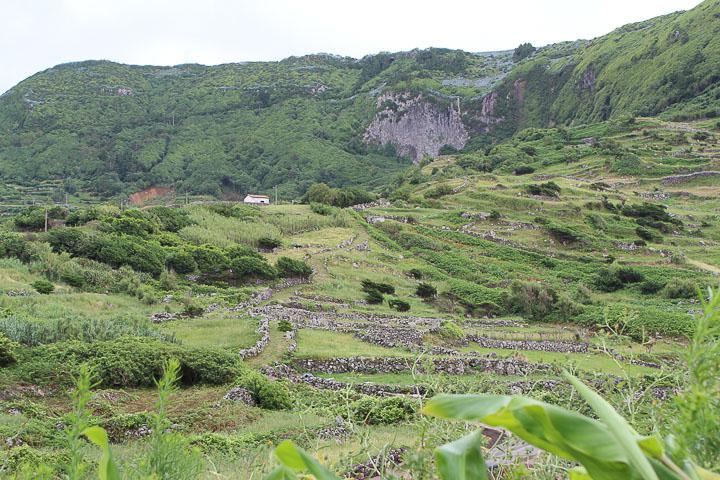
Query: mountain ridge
x=113 y=129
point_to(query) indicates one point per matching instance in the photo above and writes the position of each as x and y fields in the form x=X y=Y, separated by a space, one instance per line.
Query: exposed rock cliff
x=415 y=126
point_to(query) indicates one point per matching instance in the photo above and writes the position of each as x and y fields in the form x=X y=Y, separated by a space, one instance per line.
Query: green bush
x=531 y=299
x=181 y=262
x=14 y=245
x=374 y=297
x=438 y=191
x=64 y=239
x=131 y=362
x=269 y=243
x=680 y=288
x=566 y=308
x=170 y=219
x=399 y=305
x=245 y=267
x=43 y=286
x=651 y=286
x=612 y=279
x=451 y=330
x=368 y=285
x=547 y=189
x=648 y=235
x=415 y=273
x=284 y=325
x=269 y=394
x=383 y=411
x=425 y=290
x=291 y=268
x=321 y=208
x=7 y=351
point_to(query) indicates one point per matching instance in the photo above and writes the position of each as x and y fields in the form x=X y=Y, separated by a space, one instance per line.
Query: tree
x=425 y=290
x=522 y=51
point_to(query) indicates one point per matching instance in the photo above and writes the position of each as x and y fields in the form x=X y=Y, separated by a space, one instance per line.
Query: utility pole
x=276 y=195
x=46 y=218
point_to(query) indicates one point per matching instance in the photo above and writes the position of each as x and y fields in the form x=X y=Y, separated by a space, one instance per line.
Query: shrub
x=374 y=296
x=612 y=279
x=181 y=262
x=82 y=216
x=132 y=362
x=244 y=267
x=547 y=189
x=383 y=411
x=451 y=330
x=269 y=243
x=44 y=287
x=399 y=305
x=680 y=288
x=368 y=285
x=678 y=258
x=629 y=275
x=272 y=395
x=438 y=191
x=567 y=309
x=415 y=273
x=131 y=222
x=321 y=208
x=64 y=239
x=522 y=51
x=284 y=325
x=7 y=351
x=648 y=235
x=650 y=286
x=524 y=170
x=210 y=259
x=425 y=290
x=565 y=234
x=648 y=210
x=14 y=245
x=531 y=299
x=291 y=268
x=170 y=219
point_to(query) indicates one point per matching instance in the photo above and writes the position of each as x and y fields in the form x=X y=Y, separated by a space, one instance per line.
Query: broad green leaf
x=299 y=461
x=652 y=446
x=579 y=473
x=618 y=426
x=559 y=431
x=462 y=459
x=107 y=470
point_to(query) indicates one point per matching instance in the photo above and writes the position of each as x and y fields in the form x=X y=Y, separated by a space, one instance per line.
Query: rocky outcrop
x=416 y=126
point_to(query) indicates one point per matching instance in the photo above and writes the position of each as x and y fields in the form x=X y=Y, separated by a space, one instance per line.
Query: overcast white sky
x=38 y=34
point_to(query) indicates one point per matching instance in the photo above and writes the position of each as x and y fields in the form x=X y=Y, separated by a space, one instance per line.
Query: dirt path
x=705 y=266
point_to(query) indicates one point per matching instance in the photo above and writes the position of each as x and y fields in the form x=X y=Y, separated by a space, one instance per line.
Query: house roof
x=256 y=196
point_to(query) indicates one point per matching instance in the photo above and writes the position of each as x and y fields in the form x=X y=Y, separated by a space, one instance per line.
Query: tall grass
x=224 y=231
x=34 y=332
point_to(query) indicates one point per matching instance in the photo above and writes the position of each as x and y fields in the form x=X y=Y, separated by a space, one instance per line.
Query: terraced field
x=587 y=278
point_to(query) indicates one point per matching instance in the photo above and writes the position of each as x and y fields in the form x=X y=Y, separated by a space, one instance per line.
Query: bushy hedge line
x=129 y=362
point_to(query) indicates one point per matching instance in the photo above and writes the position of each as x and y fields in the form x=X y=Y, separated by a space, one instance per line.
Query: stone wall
x=538 y=345
x=454 y=366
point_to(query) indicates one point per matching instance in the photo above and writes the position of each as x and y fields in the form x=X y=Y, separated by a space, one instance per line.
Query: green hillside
x=226 y=130
x=334 y=328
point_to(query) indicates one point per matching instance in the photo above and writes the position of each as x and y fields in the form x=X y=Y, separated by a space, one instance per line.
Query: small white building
x=257 y=199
